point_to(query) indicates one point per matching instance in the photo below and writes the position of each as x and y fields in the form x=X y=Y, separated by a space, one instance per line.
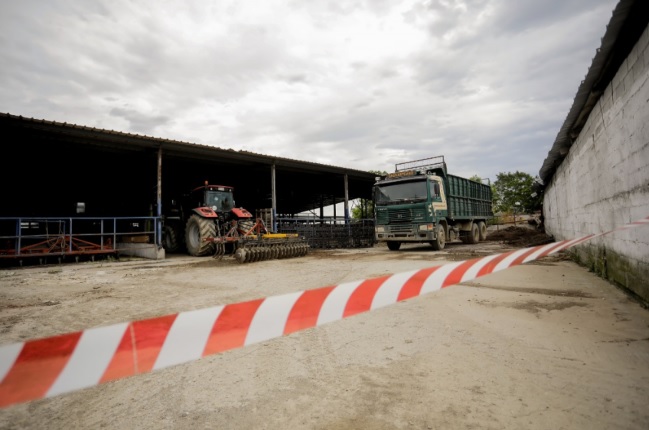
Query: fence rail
x=39 y=237
x=330 y=232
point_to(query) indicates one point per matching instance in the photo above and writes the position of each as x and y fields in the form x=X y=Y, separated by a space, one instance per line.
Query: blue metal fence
x=22 y=237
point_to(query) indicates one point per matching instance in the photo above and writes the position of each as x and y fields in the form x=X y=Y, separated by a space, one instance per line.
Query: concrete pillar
x=159 y=201
x=346 y=200
x=321 y=210
x=273 y=198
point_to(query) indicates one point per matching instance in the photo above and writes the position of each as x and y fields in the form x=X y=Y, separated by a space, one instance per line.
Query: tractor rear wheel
x=197 y=231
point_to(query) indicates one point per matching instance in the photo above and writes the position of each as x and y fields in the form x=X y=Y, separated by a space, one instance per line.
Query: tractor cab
x=219 y=198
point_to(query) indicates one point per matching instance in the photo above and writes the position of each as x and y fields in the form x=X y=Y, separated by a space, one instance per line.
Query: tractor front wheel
x=197 y=231
x=245 y=225
x=170 y=239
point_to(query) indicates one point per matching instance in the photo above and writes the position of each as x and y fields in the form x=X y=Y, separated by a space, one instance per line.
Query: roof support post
x=159 y=201
x=346 y=199
x=273 y=214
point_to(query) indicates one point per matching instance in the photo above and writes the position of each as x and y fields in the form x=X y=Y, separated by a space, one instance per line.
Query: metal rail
x=24 y=237
x=330 y=232
x=423 y=164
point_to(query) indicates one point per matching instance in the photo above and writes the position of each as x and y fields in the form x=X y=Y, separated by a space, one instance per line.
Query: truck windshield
x=219 y=200
x=401 y=192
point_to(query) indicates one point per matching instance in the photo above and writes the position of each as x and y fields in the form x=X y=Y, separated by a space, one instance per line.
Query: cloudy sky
x=362 y=84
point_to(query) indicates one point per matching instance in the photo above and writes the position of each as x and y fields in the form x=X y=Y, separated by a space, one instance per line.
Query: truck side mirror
x=437 y=194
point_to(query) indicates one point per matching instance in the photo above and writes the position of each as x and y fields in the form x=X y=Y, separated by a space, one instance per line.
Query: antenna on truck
x=424 y=164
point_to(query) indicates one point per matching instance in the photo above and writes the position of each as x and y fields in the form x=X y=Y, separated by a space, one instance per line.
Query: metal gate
x=330 y=232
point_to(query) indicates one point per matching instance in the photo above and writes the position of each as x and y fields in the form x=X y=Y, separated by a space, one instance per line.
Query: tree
x=476 y=178
x=510 y=188
x=365 y=207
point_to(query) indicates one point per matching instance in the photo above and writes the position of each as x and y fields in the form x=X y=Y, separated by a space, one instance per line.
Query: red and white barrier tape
x=47 y=367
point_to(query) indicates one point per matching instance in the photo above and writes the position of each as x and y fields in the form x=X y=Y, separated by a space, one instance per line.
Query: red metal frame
x=60 y=245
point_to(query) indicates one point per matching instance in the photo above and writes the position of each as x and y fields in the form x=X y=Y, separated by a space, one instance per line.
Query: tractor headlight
x=426 y=227
x=380 y=229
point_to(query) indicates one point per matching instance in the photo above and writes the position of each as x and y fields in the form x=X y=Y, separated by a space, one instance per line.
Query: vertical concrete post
x=159 y=200
x=346 y=200
x=273 y=214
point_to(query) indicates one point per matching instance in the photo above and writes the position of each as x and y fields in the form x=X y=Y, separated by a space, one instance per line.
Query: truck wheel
x=474 y=234
x=482 y=230
x=170 y=239
x=197 y=230
x=439 y=243
x=394 y=246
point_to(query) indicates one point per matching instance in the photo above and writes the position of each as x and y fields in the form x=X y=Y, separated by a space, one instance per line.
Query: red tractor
x=207 y=221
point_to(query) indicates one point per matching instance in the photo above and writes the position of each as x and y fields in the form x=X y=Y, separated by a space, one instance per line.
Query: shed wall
x=603 y=182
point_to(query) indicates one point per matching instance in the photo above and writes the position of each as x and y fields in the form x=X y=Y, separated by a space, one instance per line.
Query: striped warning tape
x=55 y=365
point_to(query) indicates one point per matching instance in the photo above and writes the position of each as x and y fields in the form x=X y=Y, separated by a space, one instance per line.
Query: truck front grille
x=405 y=228
x=406 y=215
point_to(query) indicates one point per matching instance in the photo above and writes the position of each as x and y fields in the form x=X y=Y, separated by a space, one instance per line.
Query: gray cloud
x=362 y=84
x=522 y=16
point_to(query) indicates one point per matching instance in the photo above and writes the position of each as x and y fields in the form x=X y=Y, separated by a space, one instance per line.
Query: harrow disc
x=252 y=250
x=240 y=255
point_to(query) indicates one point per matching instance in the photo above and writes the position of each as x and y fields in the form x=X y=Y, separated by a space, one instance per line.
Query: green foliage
x=475 y=178
x=365 y=207
x=510 y=188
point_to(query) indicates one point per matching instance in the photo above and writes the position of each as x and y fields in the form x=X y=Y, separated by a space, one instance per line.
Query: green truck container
x=421 y=203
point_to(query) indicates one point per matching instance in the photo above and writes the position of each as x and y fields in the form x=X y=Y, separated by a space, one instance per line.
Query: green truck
x=421 y=203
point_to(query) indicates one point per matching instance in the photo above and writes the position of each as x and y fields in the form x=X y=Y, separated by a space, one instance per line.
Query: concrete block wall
x=144 y=250
x=603 y=182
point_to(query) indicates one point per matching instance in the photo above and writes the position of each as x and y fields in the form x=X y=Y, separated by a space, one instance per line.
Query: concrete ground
x=544 y=345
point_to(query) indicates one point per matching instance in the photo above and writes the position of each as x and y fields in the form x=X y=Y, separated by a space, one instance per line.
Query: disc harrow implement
x=257 y=244
x=270 y=248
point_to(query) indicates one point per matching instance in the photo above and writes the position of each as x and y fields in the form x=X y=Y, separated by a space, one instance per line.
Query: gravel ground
x=544 y=345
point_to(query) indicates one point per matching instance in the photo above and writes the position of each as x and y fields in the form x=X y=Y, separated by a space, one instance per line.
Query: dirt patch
x=535 y=307
x=533 y=345
x=541 y=291
x=520 y=236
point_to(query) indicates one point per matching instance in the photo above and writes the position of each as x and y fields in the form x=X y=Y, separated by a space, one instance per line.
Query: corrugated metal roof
x=188 y=148
x=301 y=185
x=628 y=21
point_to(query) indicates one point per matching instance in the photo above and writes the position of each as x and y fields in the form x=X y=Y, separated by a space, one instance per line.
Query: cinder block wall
x=603 y=182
